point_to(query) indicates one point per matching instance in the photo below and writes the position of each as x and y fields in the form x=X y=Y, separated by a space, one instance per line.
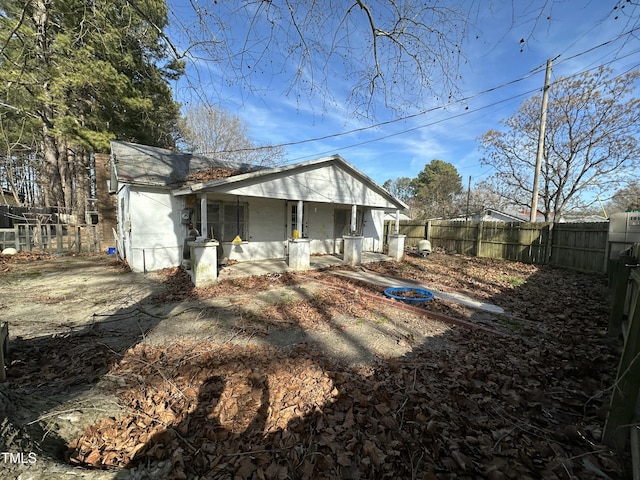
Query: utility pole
x=468 y=198
x=543 y=125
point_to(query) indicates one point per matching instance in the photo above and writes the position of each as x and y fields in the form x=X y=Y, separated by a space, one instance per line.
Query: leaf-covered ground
x=474 y=404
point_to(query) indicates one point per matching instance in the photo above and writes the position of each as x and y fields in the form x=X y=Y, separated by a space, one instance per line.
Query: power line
x=430 y=124
x=442 y=107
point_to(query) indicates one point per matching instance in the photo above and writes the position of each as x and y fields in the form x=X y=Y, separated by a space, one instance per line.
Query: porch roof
x=324 y=180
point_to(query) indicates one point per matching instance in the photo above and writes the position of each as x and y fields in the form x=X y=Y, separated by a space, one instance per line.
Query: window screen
x=225 y=221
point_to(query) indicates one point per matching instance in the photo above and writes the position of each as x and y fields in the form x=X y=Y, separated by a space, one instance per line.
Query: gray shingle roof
x=156 y=166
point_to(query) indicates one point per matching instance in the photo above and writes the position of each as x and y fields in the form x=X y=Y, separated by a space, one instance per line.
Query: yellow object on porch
x=237 y=240
x=296 y=234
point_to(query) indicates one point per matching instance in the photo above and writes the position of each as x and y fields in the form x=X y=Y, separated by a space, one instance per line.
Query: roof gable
x=326 y=180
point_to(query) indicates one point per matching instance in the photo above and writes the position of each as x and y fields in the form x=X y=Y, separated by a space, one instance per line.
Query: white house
x=254 y=213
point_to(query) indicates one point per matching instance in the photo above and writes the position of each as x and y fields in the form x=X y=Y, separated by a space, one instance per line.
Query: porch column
x=203 y=215
x=352 y=250
x=299 y=254
x=396 y=246
x=354 y=219
x=396 y=230
x=204 y=263
x=299 y=213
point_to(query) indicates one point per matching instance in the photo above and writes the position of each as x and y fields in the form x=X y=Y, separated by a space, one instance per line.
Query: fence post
x=479 y=237
x=549 y=250
x=620 y=282
x=59 y=234
x=48 y=228
x=77 y=235
x=625 y=392
x=27 y=237
x=4 y=342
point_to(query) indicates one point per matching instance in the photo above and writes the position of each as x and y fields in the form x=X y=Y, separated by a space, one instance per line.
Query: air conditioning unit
x=624 y=231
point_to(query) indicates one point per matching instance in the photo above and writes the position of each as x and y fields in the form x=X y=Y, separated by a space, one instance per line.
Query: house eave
x=266 y=173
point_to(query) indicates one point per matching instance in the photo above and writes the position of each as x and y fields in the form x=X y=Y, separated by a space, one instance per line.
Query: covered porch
x=267 y=267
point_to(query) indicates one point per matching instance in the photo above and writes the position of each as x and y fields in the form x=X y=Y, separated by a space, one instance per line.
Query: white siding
x=373 y=230
x=157 y=235
x=124 y=223
x=266 y=230
x=327 y=184
x=320 y=228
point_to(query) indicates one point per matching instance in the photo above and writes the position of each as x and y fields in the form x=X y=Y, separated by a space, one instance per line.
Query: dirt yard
x=116 y=375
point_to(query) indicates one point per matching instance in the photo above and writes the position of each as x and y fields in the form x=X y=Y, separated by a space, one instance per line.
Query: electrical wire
x=443 y=107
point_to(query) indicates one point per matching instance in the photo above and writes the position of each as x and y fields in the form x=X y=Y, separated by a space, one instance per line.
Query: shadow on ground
x=464 y=404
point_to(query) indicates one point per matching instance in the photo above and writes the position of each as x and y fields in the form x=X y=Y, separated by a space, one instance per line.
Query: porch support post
x=300 y=254
x=204 y=263
x=299 y=212
x=203 y=215
x=396 y=230
x=396 y=246
x=352 y=249
x=354 y=219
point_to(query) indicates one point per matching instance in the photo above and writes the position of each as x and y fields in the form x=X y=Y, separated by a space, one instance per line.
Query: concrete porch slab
x=265 y=267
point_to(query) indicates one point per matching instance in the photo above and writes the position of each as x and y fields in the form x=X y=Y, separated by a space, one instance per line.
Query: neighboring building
x=493 y=215
x=161 y=192
x=391 y=217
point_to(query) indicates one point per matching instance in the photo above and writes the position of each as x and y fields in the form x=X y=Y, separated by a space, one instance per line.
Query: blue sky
x=497 y=74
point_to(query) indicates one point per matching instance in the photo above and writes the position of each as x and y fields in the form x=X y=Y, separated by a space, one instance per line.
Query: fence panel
x=415 y=230
x=7 y=238
x=622 y=418
x=518 y=242
x=52 y=238
x=578 y=246
x=460 y=237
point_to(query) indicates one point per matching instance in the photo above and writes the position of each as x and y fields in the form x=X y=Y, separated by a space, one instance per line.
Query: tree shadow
x=464 y=404
x=48 y=371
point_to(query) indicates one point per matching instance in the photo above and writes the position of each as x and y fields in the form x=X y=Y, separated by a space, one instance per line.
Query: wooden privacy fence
x=578 y=246
x=414 y=230
x=622 y=420
x=53 y=238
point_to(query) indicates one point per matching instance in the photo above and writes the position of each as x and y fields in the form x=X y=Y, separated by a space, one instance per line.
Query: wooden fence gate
x=622 y=421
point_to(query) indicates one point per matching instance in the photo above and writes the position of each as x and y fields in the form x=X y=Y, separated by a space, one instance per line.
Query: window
x=233 y=222
x=226 y=220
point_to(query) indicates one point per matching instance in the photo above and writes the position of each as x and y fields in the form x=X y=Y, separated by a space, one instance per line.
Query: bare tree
x=18 y=163
x=212 y=131
x=394 y=52
x=487 y=194
x=591 y=142
x=627 y=198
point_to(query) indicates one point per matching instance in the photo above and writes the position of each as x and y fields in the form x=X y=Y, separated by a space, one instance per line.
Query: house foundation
x=204 y=262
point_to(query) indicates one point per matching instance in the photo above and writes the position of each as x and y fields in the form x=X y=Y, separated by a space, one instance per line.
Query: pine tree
x=81 y=73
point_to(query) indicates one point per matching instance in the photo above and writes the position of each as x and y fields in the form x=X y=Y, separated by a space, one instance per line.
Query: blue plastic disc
x=416 y=295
